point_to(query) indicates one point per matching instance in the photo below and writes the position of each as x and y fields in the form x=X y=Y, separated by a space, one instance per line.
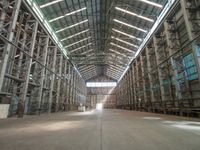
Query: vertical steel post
x=24 y=89
x=149 y=74
x=52 y=79
x=45 y=50
x=59 y=82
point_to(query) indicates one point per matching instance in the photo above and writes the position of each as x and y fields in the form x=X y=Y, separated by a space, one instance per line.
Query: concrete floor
x=106 y=130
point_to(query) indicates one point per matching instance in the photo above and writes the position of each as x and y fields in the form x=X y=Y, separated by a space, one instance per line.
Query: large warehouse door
x=108 y=101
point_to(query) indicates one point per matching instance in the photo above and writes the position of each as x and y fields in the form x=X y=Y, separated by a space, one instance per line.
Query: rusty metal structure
x=50 y=49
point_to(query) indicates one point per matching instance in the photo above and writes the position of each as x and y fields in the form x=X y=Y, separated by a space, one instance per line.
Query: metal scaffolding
x=35 y=75
x=165 y=76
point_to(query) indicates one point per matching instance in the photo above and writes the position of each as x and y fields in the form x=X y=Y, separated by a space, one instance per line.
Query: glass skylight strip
x=112 y=57
x=119 y=61
x=89 y=70
x=68 y=14
x=124 y=42
x=74 y=35
x=89 y=73
x=133 y=37
x=119 y=56
x=50 y=3
x=152 y=3
x=117 y=69
x=116 y=66
x=77 y=42
x=131 y=26
x=115 y=75
x=71 y=26
x=117 y=52
x=80 y=48
x=122 y=47
x=121 y=70
x=86 y=76
x=87 y=51
x=114 y=71
x=86 y=68
x=134 y=14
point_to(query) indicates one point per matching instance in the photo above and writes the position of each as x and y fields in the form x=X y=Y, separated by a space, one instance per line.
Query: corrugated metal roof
x=96 y=42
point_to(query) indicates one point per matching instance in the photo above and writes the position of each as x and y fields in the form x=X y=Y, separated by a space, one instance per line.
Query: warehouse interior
x=99 y=74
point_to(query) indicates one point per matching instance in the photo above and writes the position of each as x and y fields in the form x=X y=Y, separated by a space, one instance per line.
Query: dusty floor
x=95 y=130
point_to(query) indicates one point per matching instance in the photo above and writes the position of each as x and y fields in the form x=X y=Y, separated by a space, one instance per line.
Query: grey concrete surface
x=96 y=130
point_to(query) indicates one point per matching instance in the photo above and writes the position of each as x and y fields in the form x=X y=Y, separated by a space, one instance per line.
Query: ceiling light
x=152 y=3
x=122 y=47
x=134 y=14
x=124 y=42
x=71 y=26
x=74 y=35
x=131 y=26
x=68 y=14
x=50 y=3
x=80 y=48
x=77 y=42
x=133 y=37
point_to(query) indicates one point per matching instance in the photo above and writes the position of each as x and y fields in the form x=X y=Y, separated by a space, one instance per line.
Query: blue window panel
x=190 y=67
x=198 y=53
